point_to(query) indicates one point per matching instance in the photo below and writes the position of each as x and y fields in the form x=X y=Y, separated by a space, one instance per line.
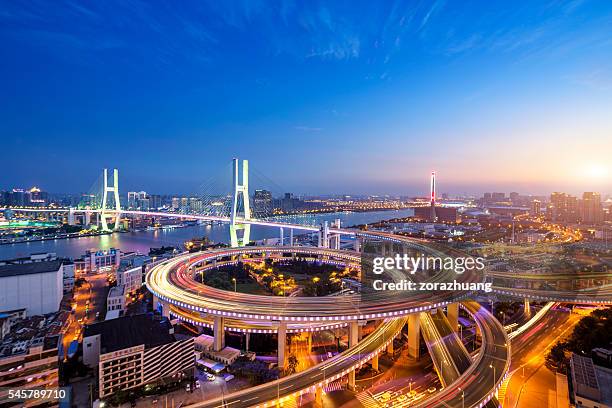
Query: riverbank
x=50 y=237
x=142 y=241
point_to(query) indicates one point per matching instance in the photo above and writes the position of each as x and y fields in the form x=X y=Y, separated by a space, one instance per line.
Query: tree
x=292 y=363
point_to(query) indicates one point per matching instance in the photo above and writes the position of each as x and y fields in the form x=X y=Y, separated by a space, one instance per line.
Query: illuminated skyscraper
x=591 y=210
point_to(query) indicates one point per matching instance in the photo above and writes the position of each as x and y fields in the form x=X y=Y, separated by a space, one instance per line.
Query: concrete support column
x=219 y=333
x=324 y=235
x=452 y=314
x=291 y=237
x=353 y=339
x=247 y=341
x=318 y=396
x=309 y=339
x=319 y=239
x=375 y=362
x=357 y=244
x=282 y=344
x=71 y=216
x=165 y=309
x=390 y=349
x=414 y=333
x=527 y=307
x=282 y=236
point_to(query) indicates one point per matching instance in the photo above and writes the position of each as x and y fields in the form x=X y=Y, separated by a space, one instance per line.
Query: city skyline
x=365 y=99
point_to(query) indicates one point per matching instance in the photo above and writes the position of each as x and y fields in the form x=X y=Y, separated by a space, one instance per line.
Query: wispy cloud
x=599 y=79
x=308 y=128
x=435 y=7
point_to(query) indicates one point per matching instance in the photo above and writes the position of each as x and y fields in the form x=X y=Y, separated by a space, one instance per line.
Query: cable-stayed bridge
x=224 y=197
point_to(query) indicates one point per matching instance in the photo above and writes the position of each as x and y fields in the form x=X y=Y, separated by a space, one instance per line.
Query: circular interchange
x=173 y=282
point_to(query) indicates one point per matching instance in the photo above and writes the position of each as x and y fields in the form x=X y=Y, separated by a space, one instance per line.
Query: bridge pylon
x=114 y=189
x=241 y=195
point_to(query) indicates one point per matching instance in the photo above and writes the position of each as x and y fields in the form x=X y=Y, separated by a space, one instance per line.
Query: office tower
x=262 y=202
x=591 y=210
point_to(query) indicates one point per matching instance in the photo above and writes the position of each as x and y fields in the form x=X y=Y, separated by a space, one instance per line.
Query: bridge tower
x=241 y=195
x=110 y=189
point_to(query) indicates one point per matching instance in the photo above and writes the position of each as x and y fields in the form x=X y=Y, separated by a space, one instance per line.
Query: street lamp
x=462 y=398
x=234 y=280
x=493 y=367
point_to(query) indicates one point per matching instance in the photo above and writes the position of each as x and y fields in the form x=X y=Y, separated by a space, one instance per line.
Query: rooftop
x=130 y=331
x=32 y=332
x=116 y=291
x=604 y=377
x=29 y=268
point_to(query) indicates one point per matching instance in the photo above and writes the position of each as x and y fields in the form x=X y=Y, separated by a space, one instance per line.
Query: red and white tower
x=433 y=188
x=433 y=217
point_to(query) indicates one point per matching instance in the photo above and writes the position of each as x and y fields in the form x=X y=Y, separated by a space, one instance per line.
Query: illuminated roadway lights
x=482 y=319
x=344 y=370
x=345 y=315
x=259 y=331
x=553 y=297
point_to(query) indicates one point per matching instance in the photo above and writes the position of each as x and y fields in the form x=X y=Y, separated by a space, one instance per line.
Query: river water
x=141 y=241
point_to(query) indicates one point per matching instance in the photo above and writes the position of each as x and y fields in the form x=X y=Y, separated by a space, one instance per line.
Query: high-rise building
x=17 y=197
x=37 y=198
x=591 y=210
x=536 y=208
x=131 y=199
x=155 y=201
x=136 y=200
x=196 y=205
x=514 y=197
x=497 y=197
x=564 y=208
x=262 y=203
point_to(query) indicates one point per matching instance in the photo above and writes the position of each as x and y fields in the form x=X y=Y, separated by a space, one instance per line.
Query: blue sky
x=347 y=97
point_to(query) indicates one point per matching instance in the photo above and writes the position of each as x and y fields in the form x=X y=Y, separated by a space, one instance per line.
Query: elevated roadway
x=173 y=282
x=314 y=377
x=477 y=386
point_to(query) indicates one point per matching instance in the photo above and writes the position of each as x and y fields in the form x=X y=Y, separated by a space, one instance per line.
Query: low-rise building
x=68 y=275
x=203 y=345
x=35 y=286
x=68 y=271
x=131 y=278
x=115 y=301
x=98 y=261
x=8 y=318
x=602 y=355
x=29 y=354
x=586 y=378
x=132 y=351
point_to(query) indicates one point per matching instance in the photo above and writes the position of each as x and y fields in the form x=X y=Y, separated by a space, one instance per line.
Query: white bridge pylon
x=117 y=210
x=241 y=195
